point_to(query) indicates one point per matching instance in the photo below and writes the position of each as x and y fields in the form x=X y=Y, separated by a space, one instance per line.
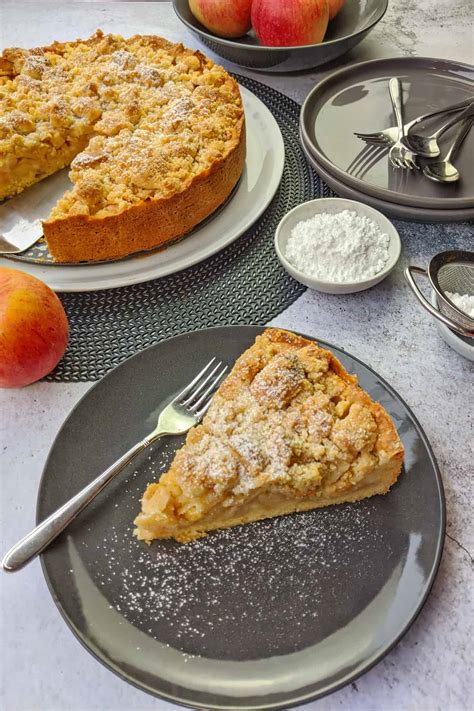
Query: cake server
x=21 y=215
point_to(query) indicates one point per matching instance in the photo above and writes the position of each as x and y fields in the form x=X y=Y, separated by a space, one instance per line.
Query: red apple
x=33 y=329
x=287 y=23
x=225 y=18
x=334 y=7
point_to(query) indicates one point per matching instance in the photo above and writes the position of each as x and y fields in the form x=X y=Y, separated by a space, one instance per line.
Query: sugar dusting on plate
x=267 y=588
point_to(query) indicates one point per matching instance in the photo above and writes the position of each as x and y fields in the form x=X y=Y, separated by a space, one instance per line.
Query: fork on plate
x=183 y=412
x=390 y=135
x=400 y=156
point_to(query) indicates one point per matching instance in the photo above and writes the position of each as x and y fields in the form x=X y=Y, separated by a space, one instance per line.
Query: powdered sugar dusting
x=267 y=588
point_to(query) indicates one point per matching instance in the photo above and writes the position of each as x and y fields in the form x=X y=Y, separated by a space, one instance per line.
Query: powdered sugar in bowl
x=337 y=246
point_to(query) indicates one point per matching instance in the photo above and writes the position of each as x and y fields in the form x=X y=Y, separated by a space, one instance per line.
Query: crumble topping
x=286 y=422
x=156 y=113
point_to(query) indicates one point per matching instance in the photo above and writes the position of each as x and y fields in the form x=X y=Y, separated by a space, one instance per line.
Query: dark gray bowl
x=347 y=29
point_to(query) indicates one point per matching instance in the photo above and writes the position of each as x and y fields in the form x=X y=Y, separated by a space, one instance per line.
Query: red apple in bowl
x=225 y=18
x=290 y=23
x=33 y=329
x=334 y=7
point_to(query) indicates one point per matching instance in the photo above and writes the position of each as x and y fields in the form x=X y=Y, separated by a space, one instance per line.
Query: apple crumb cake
x=154 y=134
x=288 y=430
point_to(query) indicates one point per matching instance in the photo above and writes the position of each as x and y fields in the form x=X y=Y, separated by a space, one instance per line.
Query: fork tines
x=197 y=393
x=377 y=137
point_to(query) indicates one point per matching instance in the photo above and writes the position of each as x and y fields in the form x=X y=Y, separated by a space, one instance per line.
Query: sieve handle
x=426 y=304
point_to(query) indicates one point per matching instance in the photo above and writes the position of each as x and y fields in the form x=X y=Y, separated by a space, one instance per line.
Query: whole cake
x=154 y=134
x=288 y=430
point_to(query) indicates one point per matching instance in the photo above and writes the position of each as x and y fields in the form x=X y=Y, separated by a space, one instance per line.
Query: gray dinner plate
x=348 y=28
x=391 y=209
x=261 y=616
x=356 y=98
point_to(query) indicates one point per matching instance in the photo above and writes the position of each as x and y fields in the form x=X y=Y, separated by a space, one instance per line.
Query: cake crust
x=289 y=430
x=149 y=225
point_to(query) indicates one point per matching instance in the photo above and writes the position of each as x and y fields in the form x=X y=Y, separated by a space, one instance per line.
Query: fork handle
x=432 y=114
x=40 y=537
x=468 y=112
x=395 y=90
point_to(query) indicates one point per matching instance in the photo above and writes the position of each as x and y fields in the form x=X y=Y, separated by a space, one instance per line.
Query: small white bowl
x=335 y=205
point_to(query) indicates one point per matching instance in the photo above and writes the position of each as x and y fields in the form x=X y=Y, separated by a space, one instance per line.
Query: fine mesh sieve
x=452 y=272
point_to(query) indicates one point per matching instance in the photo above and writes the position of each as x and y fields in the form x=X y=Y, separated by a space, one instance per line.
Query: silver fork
x=390 y=135
x=400 y=156
x=182 y=413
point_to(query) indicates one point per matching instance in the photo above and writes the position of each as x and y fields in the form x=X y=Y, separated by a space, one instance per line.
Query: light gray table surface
x=43 y=668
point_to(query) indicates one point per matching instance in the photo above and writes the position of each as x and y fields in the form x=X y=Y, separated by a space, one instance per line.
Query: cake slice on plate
x=288 y=430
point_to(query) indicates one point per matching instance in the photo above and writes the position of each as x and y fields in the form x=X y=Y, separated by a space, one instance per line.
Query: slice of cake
x=289 y=430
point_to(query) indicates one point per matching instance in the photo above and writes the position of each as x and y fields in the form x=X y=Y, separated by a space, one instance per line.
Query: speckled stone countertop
x=43 y=668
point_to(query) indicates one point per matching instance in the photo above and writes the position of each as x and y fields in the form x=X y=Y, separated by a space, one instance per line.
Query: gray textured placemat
x=242 y=284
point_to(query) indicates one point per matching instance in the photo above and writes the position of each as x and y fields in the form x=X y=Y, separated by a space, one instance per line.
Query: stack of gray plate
x=356 y=98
